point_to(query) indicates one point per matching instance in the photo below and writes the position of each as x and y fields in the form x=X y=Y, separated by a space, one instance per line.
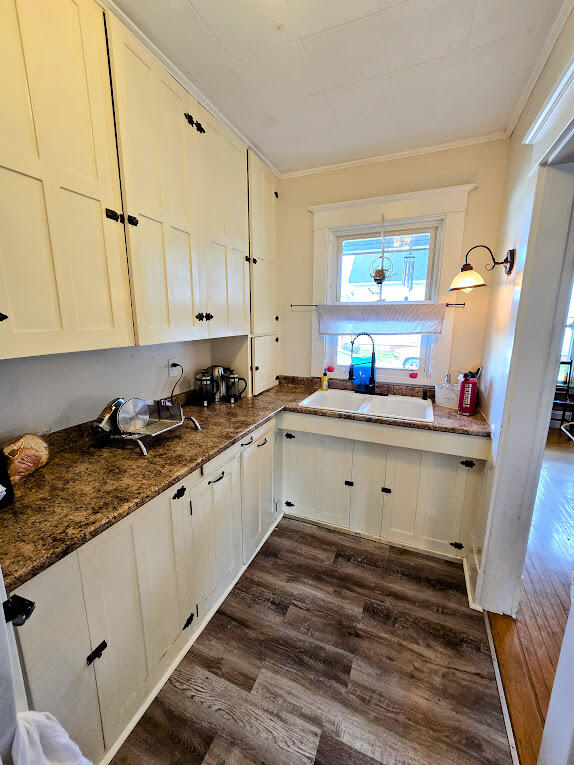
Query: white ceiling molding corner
x=397 y=155
x=109 y=5
x=553 y=35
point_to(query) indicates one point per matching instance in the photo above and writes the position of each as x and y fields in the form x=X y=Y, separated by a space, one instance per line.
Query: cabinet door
x=226 y=491
x=266 y=447
x=264 y=350
x=299 y=452
x=251 y=520
x=334 y=478
x=54 y=644
x=108 y=565
x=369 y=471
x=263 y=297
x=157 y=148
x=63 y=268
x=400 y=505
x=155 y=528
x=237 y=231
x=262 y=209
x=200 y=543
x=441 y=501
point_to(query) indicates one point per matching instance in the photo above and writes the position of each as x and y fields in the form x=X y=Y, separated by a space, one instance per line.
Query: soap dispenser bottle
x=325 y=381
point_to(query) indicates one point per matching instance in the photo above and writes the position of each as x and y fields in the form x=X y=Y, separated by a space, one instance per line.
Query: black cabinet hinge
x=3 y=316
x=179 y=493
x=468 y=463
x=189 y=620
x=289 y=504
x=189 y=118
x=132 y=220
x=276 y=318
x=18 y=610
x=457 y=545
x=97 y=652
x=386 y=491
x=199 y=127
x=289 y=435
x=349 y=483
x=113 y=215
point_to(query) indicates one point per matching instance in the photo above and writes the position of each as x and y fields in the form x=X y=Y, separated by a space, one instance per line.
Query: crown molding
x=109 y=5
x=463 y=189
x=397 y=155
x=553 y=35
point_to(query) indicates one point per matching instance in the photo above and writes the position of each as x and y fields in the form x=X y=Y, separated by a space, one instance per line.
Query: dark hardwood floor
x=528 y=648
x=335 y=650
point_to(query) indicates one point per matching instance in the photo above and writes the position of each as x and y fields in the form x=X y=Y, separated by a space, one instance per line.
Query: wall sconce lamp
x=468 y=279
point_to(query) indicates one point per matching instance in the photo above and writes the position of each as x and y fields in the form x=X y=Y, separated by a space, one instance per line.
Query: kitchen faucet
x=363 y=387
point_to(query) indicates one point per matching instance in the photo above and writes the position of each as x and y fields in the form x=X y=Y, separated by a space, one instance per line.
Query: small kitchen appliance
x=206 y=388
x=233 y=386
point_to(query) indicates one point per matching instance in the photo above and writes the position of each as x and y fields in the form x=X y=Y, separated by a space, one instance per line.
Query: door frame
x=544 y=296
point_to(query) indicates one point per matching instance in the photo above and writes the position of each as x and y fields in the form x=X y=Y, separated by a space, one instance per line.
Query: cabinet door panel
x=264 y=351
x=333 y=496
x=238 y=291
x=162 y=600
x=215 y=268
x=263 y=299
x=400 y=506
x=201 y=546
x=250 y=502
x=441 y=501
x=300 y=465
x=223 y=507
x=59 y=174
x=369 y=471
x=109 y=570
x=265 y=447
x=54 y=645
x=158 y=150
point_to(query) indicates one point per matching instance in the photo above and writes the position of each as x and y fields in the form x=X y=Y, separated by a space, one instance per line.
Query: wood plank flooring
x=528 y=648
x=335 y=650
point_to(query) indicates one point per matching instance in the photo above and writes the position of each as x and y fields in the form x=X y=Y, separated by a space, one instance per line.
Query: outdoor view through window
x=401 y=276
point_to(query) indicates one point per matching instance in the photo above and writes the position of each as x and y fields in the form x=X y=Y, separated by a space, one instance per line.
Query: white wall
x=46 y=393
x=483 y=164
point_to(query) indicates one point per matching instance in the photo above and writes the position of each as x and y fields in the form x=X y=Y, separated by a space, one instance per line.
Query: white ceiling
x=317 y=82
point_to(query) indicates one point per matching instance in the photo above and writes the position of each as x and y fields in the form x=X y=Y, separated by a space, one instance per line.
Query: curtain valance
x=381 y=318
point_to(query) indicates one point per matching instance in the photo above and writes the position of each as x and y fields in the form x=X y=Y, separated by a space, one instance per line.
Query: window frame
x=422 y=225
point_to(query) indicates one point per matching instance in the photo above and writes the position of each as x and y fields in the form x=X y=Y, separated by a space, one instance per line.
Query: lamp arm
x=484 y=247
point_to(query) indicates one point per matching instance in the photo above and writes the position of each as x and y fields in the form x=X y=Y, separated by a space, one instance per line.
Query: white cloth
x=41 y=740
x=381 y=318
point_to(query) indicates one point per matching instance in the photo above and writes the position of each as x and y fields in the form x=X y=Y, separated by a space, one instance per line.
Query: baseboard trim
x=113 y=750
x=505 y=712
x=469 y=590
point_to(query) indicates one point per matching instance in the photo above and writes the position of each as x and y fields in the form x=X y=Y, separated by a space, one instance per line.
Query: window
x=567 y=343
x=406 y=272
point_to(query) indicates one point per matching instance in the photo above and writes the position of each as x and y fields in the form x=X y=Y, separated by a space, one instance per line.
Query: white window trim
x=448 y=205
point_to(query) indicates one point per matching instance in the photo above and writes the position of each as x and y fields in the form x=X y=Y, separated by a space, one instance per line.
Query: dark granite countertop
x=86 y=488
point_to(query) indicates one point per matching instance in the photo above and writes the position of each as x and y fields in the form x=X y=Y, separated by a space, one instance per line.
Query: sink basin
x=409 y=408
x=339 y=400
x=399 y=407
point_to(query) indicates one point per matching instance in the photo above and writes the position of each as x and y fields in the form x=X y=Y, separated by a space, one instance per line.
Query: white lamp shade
x=467 y=280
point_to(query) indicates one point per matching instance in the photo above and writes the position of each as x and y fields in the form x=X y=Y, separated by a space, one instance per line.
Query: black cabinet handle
x=179 y=493
x=386 y=491
x=96 y=653
x=3 y=316
x=254 y=260
x=349 y=483
x=276 y=318
x=18 y=610
x=247 y=442
x=247 y=259
x=189 y=118
x=217 y=479
x=257 y=369
x=208 y=316
x=132 y=220
x=113 y=215
x=276 y=339
x=262 y=443
x=289 y=435
x=290 y=504
x=199 y=127
x=200 y=316
x=468 y=463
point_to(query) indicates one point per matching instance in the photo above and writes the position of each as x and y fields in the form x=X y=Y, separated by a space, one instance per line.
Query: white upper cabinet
x=158 y=145
x=262 y=201
x=63 y=271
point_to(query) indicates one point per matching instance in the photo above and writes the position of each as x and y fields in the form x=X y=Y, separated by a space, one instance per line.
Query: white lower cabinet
x=409 y=496
x=54 y=645
x=258 y=506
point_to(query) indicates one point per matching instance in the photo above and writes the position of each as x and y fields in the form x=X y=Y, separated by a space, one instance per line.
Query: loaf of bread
x=25 y=455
